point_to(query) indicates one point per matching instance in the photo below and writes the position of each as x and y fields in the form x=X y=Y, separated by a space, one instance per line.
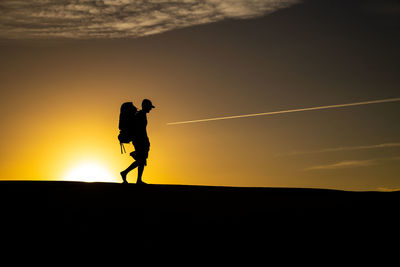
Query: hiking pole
x=122 y=147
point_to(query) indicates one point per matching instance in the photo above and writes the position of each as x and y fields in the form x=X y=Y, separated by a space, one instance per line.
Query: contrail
x=397 y=99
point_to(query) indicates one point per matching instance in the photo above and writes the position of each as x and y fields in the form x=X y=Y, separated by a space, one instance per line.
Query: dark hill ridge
x=186 y=217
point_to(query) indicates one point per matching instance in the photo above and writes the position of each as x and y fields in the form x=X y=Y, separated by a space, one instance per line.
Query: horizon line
x=387 y=100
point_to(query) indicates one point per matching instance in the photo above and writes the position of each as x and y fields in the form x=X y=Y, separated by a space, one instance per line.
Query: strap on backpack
x=122 y=148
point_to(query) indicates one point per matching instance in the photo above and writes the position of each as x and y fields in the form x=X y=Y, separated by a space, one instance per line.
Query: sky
x=67 y=66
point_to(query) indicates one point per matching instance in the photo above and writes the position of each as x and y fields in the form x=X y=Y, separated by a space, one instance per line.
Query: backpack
x=127 y=124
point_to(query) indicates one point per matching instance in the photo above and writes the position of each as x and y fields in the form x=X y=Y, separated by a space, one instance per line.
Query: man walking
x=141 y=143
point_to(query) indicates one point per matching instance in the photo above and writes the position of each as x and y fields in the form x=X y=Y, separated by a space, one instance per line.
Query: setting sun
x=89 y=172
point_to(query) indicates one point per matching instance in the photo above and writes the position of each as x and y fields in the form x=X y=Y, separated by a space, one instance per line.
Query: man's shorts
x=142 y=152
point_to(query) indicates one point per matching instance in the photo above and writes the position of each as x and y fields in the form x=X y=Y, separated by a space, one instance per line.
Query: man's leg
x=125 y=172
x=141 y=157
x=140 y=173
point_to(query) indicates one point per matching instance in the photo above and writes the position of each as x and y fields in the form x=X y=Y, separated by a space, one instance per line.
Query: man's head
x=147 y=105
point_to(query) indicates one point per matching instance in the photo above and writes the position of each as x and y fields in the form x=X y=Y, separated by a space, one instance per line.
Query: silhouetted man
x=141 y=143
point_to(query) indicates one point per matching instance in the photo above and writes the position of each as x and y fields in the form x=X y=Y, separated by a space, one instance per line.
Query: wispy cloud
x=120 y=18
x=385 y=189
x=343 y=148
x=343 y=164
x=351 y=164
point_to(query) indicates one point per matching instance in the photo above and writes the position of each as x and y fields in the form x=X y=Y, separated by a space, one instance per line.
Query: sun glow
x=89 y=172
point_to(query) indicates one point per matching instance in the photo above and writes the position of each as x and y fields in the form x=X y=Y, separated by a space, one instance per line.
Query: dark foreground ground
x=189 y=219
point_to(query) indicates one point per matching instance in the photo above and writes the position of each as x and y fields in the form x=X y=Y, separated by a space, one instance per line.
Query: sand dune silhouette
x=182 y=217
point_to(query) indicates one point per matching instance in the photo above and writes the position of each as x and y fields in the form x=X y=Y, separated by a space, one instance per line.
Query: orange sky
x=60 y=101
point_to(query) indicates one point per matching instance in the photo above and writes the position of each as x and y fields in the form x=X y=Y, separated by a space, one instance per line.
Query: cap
x=147 y=102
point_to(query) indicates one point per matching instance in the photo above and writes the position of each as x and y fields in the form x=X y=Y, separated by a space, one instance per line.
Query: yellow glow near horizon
x=89 y=172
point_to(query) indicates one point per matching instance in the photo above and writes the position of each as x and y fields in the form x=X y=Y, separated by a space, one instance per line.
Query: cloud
x=343 y=148
x=85 y=19
x=343 y=164
x=385 y=189
x=351 y=164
